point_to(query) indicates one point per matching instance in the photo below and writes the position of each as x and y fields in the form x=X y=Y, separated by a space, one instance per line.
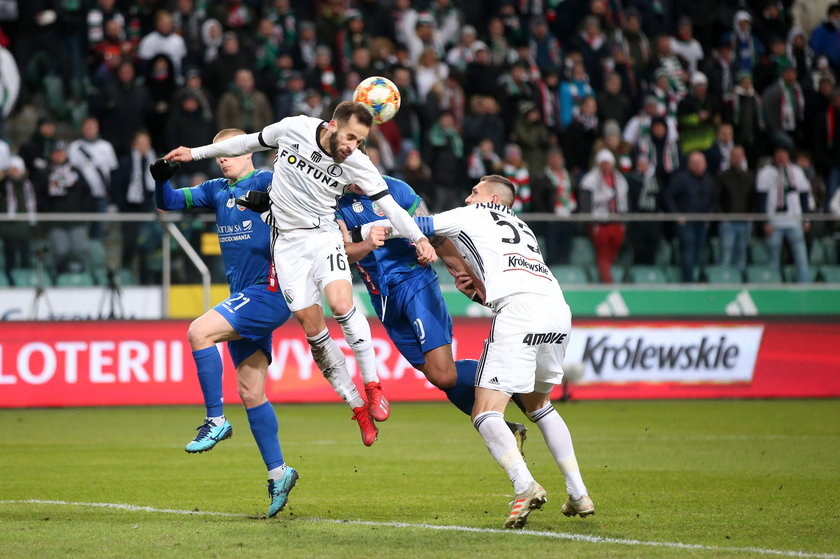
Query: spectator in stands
x=122 y=106
x=674 y=67
x=212 y=37
x=134 y=190
x=483 y=160
x=718 y=154
x=532 y=135
x=189 y=124
x=721 y=70
x=351 y=37
x=407 y=119
x=236 y=16
x=545 y=48
x=37 y=149
x=661 y=148
x=17 y=197
x=691 y=191
x=593 y=46
x=230 y=58
x=735 y=195
x=417 y=174
x=634 y=41
x=748 y=118
x=481 y=77
x=163 y=40
x=784 y=105
x=666 y=93
x=445 y=157
x=638 y=127
x=187 y=22
x=580 y=136
x=572 y=93
x=603 y=192
x=783 y=193
x=9 y=85
x=447 y=19
x=61 y=188
x=244 y=107
x=515 y=169
x=825 y=39
x=644 y=194
x=425 y=36
x=483 y=121
x=827 y=144
x=554 y=193
x=462 y=54
x=613 y=104
x=686 y=46
x=697 y=115
x=323 y=76
x=96 y=159
x=746 y=46
x=161 y=84
x=800 y=53
x=447 y=95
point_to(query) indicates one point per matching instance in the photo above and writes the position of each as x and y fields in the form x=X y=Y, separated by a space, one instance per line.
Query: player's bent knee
x=440 y=378
x=198 y=336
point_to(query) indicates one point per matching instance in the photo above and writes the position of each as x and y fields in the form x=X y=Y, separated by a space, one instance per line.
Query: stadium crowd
x=597 y=107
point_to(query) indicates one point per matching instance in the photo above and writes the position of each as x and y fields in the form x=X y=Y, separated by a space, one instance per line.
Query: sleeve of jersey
x=445 y=224
x=232 y=147
x=167 y=198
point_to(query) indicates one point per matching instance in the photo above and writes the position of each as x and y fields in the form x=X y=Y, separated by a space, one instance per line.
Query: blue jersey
x=396 y=261
x=243 y=236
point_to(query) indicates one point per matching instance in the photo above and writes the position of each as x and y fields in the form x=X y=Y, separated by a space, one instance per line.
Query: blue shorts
x=255 y=312
x=416 y=319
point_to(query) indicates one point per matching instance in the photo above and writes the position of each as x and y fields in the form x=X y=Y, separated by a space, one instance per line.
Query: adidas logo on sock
x=494 y=380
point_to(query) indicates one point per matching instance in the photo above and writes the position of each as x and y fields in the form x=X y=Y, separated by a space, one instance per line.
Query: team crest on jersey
x=334 y=170
x=358 y=207
x=247 y=225
x=230 y=203
x=315 y=157
x=377 y=210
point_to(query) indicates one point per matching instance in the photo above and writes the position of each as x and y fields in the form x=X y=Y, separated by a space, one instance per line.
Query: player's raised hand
x=377 y=236
x=425 y=252
x=181 y=154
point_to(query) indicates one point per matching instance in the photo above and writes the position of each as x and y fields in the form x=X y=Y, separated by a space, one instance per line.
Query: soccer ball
x=380 y=96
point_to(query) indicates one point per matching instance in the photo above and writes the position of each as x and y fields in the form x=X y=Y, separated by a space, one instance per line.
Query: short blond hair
x=227 y=133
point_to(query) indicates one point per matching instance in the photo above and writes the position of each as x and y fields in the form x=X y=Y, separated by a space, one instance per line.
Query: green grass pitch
x=698 y=478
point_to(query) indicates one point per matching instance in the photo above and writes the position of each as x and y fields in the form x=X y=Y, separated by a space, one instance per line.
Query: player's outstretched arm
x=166 y=197
x=230 y=147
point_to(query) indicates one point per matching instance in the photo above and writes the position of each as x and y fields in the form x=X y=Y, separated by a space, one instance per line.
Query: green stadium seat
x=830 y=247
x=647 y=275
x=763 y=274
x=570 y=275
x=816 y=256
x=664 y=253
x=789 y=273
x=830 y=273
x=758 y=253
x=26 y=277
x=74 y=279
x=582 y=252
x=618 y=273
x=721 y=274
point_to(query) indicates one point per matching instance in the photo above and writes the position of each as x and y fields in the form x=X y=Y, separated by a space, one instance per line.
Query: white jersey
x=501 y=250
x=307 y=182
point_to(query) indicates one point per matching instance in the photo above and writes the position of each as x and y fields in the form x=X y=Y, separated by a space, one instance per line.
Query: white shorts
x=307 y=260
x=526 y=347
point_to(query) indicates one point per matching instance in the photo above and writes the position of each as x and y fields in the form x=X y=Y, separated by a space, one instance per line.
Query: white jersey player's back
x=307 y=182
x=501 y=249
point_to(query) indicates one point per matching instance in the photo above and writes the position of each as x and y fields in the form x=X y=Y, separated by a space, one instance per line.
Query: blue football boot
x=279 y=490
x=208 y=435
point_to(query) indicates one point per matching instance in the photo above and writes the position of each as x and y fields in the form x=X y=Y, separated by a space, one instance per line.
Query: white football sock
x=330 y=359
x=277 y=473
x=559 y=442
x=502 y=445
x=357 y=333
x=217 y=421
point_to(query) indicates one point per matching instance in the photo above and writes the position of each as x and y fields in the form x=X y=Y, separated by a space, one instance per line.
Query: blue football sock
x=463 y=393
x=208 y=365
x=264 y=427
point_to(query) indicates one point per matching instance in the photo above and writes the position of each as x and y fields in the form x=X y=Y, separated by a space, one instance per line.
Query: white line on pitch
x=447 y=528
